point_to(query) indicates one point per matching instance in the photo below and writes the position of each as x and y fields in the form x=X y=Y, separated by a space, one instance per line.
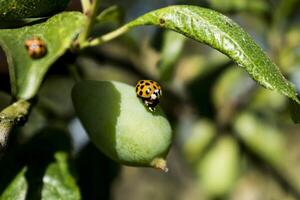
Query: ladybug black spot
x=147 y=83
x=142 y=86
x=140 y=93
x=162 y=21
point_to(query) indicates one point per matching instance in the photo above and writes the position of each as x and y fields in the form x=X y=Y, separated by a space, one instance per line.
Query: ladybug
x=36 y=47
x=150 y=92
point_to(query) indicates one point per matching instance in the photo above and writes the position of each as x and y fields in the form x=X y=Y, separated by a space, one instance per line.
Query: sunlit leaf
x=220 y=32
x=17 y=189
x=58 y=180
x=172 y=46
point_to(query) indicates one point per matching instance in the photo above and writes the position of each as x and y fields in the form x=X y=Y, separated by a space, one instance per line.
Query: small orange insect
x=36 y=47
x=150 y=92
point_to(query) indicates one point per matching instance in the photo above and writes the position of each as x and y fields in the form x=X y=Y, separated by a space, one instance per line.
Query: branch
x=86 y=4
x=13 y=115
x=91 y=13
x=105 y=38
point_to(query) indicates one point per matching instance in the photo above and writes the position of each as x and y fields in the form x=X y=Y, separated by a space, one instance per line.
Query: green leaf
x=263 y=138
x=18 y=9
x=58 y=180
x=227 y=90
x=112 y=14
x=219 y=168
x=17 y=189
x=172 y=47
x=26 y=74
x=220 y=32
x=198 y=137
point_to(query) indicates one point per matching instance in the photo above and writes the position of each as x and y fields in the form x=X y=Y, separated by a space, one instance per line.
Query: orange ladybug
x=150 y=92
x=36 y=47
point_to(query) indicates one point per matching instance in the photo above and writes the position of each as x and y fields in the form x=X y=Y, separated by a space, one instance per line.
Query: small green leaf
x=17 y=189
x=263 y=138
x=198 y=138
x=18 y=9
x=220 y=32
x=26 y=74
x=58 y=182
x=227 y=91
x=219 y=168
x=112 y=14
x=172 y=46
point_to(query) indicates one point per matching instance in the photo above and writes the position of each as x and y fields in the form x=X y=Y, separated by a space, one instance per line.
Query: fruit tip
x=160 y=163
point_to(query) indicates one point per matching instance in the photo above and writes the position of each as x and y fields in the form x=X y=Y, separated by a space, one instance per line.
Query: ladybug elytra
x=36 y=47
x=150 y=92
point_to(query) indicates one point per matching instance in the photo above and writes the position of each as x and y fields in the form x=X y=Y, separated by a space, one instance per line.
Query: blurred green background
x=233 y=139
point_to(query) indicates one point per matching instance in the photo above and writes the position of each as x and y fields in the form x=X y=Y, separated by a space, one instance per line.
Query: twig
x=86 y=4
x=91 y=13
x=105 y=38
x=13 y=115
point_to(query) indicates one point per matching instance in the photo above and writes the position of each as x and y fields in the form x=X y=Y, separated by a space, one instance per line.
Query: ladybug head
x=155 y=95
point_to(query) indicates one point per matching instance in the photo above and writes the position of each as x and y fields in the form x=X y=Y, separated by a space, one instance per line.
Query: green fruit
x=19 y=9
x=120 y=125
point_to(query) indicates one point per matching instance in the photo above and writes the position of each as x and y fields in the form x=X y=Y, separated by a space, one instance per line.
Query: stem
x=86 y=4
x=160 y=163
x=13 y=115
x=91 y=14
x=105 y=38
x=4 y=132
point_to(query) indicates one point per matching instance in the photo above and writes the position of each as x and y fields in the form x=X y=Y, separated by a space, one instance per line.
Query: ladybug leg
x=149 y=105
x=152 y=105
x=146 y=102
x=151 y=108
